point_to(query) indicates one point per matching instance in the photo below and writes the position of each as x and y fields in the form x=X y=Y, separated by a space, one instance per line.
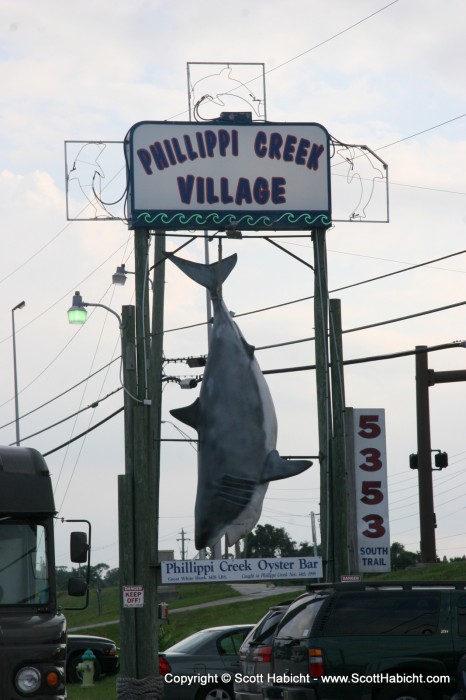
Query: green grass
x=451 y=571
x=190 y=594
x=181 y=625
x=186 y=622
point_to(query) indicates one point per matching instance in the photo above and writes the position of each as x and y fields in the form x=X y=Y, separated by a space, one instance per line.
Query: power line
x=58 y=395
x=83 y=434
x=73 y=415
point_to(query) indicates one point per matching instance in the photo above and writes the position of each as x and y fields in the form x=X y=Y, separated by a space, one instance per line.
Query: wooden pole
x=158 y=290
x=338 y=462
x=323 y=398
x=424 y=457
x=128 y=662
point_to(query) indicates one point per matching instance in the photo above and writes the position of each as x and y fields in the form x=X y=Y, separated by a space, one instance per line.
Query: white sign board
x=371 y=492
x=133 y=596
x=215 y=570
x=253 y=176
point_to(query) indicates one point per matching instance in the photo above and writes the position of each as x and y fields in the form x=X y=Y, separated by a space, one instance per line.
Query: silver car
x=203 y=666
x=255 y=655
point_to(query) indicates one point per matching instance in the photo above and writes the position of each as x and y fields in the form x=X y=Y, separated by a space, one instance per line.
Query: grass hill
x=188 y=621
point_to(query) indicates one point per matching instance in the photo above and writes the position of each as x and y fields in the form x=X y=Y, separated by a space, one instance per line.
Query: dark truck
x=32 y=628
x=370 y=641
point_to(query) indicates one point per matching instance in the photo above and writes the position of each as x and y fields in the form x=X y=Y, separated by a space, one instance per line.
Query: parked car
x=203 y=666
x=384 y=641
x=105 y=651
x=255 y=655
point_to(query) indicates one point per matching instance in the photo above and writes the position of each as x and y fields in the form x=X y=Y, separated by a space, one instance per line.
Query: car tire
x=404 y=692
x=74 y=676
x=216 y=692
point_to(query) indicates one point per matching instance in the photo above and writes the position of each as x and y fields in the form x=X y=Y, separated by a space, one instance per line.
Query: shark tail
x=209 y=276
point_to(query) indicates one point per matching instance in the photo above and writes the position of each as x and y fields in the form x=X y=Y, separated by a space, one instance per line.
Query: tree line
x=265 y=541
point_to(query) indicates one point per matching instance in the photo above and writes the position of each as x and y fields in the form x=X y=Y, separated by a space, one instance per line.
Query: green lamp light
x=77 y=314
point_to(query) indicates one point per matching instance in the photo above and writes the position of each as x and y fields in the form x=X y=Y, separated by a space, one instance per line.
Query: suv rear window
x=384 y=612
x=298 y=621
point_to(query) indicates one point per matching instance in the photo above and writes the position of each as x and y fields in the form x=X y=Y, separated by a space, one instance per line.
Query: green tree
x=401 y=558
x=269 y=541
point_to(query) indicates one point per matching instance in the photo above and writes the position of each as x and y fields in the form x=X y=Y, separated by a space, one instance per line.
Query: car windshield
x=23 y=563
x=194 y=641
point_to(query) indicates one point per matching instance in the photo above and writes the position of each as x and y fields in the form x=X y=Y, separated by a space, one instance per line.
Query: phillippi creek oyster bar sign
x=220 y=175
x=212 y=570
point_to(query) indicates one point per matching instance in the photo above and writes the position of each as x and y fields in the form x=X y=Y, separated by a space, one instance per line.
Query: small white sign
x=214 y=570
x=133 y=596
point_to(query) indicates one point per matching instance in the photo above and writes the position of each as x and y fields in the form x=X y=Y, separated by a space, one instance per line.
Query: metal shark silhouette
x=236 y=424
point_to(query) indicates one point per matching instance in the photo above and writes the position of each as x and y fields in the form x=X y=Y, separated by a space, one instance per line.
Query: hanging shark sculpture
x=236 y=424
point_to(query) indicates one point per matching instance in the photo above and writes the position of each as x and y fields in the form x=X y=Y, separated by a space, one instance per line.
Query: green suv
x=370 y=641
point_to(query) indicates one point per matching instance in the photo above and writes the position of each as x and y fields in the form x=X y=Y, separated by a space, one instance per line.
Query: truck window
x=24 y=578
x=384 y=613
x=298 y=621
x=462 y=616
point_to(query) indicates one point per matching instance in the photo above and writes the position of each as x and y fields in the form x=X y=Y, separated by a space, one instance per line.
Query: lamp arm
x=107 y=308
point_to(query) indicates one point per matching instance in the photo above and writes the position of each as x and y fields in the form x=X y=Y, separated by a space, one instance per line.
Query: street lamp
x=21 y=305
x=77 y=313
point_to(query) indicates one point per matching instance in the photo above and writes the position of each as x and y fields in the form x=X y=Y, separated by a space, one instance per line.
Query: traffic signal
x=441 y=460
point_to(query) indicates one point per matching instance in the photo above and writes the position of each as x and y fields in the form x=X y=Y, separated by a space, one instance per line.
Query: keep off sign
x=133 y=596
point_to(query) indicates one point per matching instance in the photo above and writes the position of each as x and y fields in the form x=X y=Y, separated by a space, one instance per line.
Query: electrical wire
x=83 y=434
x=63 y=420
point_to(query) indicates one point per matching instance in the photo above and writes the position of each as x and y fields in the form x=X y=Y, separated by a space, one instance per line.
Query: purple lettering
x=301 y=151
x=180 y=156
x=210 y=142
x=224 y=191
x=192 y=155
x=200 y=144
x=316 y=152
x=261 y=190
x=278 y=190
x=144 y=157
x=260 y=148
x=223 y=141
x=288 y=149
x=210 y=191
x=276 y=142
x=234 y=142
x=243 y=191
x=158 y=154
x=169 y=151
x=185 y=188
x=200 y=190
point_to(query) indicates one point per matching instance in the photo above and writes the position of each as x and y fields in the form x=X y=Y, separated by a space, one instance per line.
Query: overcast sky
x=389 y=75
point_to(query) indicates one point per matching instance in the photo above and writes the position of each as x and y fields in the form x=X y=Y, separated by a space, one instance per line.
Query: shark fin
x=278 y=468
x=248 y=348
x=206 y=275
x=188 y=414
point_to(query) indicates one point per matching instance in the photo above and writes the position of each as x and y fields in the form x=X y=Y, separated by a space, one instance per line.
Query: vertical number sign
x=370 y=479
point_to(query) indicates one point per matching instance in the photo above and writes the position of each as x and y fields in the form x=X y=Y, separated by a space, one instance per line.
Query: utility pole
x=339 y=495
x=183 y=539
x=139 y=489
x=424 y=457
x=128 y=661
x=323 y=399
x=426 y=378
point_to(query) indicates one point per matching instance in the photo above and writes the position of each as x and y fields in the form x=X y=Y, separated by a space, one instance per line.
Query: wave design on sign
x=180 y=219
